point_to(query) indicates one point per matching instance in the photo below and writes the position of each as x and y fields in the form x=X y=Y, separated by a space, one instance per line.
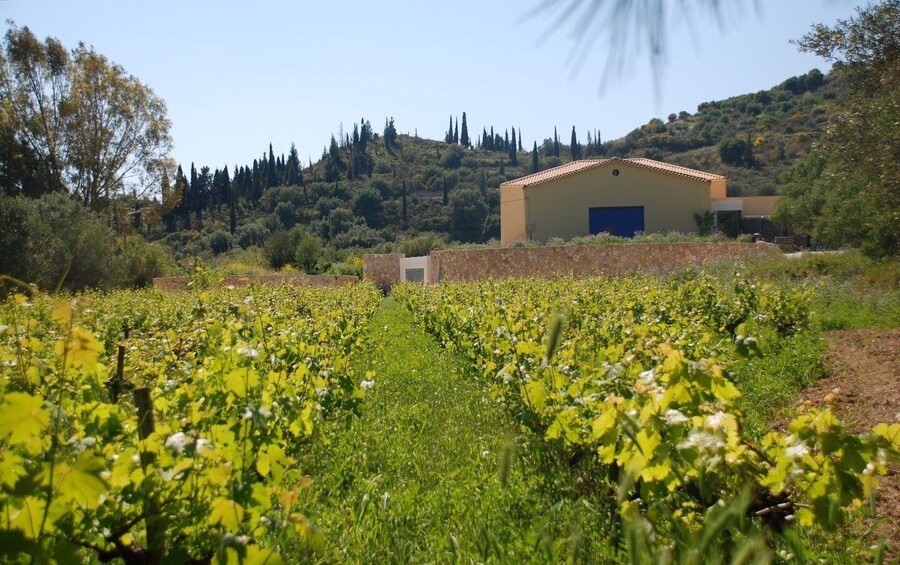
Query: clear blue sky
x=238 y=75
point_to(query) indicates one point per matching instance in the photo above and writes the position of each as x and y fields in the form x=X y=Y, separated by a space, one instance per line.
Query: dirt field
x=862 y=385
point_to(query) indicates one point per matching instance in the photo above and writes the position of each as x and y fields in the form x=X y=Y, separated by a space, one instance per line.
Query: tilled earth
x=862 y=386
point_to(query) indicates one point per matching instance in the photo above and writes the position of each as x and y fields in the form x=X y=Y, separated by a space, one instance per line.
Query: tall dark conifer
x=513 y=145
x=555 y=143
x=456 y=132
x=520 y=140
x=574 y=148
x=271 y=174
x=464 y=134
x=535 y=164
x=403 y=209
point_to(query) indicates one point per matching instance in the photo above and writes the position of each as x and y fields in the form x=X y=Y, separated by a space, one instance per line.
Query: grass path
x=416 y=477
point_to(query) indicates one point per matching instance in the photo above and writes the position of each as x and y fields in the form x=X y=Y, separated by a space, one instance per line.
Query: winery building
x=618 y=196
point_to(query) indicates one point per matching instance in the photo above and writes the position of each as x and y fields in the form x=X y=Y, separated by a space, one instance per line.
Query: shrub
x=218 y=241
x=421 y=245
x=144 y=261
x=56 y=241
x=249 y=235
x=296 y=247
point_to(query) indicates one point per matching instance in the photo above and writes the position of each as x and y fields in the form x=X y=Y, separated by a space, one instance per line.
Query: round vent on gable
x=615 y=172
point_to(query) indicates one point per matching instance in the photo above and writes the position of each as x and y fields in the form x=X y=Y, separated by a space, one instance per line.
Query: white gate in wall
x=415 y=269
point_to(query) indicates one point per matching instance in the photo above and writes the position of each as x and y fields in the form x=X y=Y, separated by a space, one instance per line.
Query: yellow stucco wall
x=512 y=214
x=560 y=208
x=758 y=205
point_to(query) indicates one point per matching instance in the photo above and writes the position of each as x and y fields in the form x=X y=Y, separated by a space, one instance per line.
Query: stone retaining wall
x=584 y=260
x=383 y=270
x=181 y=283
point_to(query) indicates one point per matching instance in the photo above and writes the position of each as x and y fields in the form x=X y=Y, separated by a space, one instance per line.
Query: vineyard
x=234 y=425
x=634 y=374
x=228 y=387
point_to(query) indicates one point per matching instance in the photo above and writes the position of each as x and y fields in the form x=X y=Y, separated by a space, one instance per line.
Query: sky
x=237 y=76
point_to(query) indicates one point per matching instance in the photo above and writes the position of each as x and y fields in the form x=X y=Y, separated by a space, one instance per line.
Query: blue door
x=622 y=221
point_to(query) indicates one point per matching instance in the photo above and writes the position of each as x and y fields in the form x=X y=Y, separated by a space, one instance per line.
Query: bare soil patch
x=862 y=386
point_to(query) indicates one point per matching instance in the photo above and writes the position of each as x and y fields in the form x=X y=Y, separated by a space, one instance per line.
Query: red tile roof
x=556 y=172
x=586 y=164
x=675 y=169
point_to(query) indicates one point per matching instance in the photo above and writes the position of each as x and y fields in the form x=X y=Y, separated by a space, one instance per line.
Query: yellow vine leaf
x=28 y=517
x=22 y=417
x=80 y=482
x=228 y=513
x=890 y=432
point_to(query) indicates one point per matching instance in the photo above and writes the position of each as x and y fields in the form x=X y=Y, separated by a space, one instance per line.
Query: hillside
x=371 y=190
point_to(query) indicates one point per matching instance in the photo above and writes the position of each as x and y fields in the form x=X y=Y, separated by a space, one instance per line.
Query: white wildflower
x=248 y=299
x=367 y=384
x=203 y=444
x=249 y=352
x=264 y=412
x=647 y=377
x=247 y=414
x=715 y=421
x=178 y=441
x=673 y=417
x=796 y=451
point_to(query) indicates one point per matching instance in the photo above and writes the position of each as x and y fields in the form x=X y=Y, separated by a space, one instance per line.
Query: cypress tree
x=446 y=190
x=484 y=138
x=228 y=188
x=506 y=140
x=492 y=145
x=292 y=174
x=555 y=143
x=535 y=165
x=574 y=148
x=464 y=134
x=271 y=175
x=403 y=189
x=456 y=133
x=196 y=198
x=502 y=169
x=513 y=158
x=520 y=140
x=181 y=191
x=449 y=137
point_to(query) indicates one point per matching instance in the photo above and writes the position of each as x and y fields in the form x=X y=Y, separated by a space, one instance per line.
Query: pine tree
x=513 y=158
x=535 y=165
x=574 y=148
x=555 y=143
x=464 y=134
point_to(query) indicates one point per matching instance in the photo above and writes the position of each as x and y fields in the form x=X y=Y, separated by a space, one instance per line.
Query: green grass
x=432 y=470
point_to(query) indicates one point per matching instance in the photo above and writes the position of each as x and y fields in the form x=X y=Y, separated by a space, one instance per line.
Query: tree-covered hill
x=373 y=188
